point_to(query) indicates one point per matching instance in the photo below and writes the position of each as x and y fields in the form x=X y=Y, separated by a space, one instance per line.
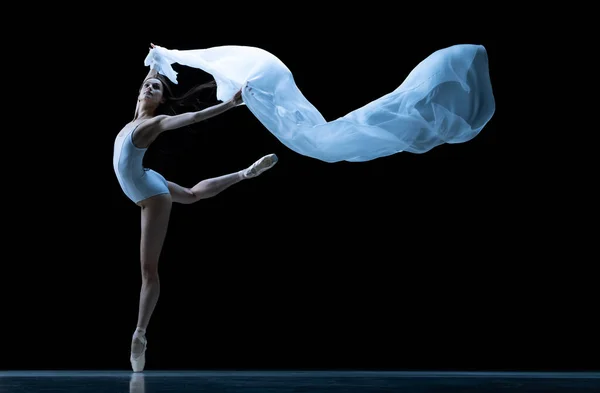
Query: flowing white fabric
x=446 y=98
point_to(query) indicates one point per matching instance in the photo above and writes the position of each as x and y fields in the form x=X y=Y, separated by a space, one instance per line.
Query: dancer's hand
x=237 y=98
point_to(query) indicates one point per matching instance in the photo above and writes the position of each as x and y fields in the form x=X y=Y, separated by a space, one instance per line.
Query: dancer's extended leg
x=210 y=187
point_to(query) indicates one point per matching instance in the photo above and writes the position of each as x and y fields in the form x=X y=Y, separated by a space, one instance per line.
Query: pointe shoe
x=260 y=166
x=138 y=360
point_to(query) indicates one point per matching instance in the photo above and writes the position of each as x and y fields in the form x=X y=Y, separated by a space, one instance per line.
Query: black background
x=460 y=258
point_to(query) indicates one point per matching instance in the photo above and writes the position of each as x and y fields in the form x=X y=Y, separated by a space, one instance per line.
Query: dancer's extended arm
x=165 y=122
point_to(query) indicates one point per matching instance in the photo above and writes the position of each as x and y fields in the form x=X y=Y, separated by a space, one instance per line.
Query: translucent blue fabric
x=446 y=98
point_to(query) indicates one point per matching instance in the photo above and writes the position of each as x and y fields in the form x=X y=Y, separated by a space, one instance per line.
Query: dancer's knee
x=181 y=194
x=149 y=271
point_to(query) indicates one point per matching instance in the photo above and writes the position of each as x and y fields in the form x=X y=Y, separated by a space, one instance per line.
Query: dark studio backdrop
x=436 y=261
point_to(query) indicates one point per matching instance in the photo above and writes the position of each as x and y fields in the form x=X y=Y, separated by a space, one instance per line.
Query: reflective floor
x=289 y=381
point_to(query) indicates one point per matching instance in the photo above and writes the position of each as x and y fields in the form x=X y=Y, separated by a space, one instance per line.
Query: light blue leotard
x=137 y=182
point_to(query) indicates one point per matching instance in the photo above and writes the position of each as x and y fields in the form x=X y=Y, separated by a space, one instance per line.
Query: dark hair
x=195 y=99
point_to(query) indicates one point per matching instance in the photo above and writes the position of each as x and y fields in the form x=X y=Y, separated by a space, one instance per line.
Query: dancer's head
x=156 y=96
x=152 y=93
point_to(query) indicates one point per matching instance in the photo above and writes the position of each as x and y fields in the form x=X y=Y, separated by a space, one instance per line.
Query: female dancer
x=153 y=193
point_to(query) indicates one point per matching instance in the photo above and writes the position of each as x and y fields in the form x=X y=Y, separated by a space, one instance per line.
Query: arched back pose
x=154 y=194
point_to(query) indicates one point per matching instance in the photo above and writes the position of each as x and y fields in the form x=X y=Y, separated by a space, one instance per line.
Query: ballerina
x=154 y=194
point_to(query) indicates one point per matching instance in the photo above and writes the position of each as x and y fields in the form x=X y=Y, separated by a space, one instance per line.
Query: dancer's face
x=152 y=91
